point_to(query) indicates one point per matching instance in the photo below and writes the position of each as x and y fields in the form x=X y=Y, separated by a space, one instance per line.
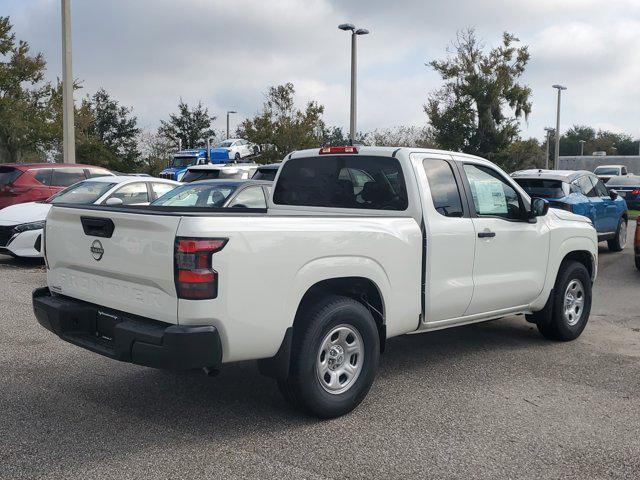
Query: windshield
x=265 y=174
x=83 y=193
x=539 y=187
x=225 y=144
x=200 y=195
x=8 y=175
x=184 y=161
x=607 y=171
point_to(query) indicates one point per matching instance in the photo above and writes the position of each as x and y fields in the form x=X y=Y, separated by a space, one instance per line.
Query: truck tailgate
x=129 y=268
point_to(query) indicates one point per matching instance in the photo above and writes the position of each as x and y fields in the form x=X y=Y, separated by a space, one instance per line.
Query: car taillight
x=337 y=150
x=194 y=274
x=636 y=191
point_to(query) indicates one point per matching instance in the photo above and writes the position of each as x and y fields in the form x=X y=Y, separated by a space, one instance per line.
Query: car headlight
x=25 y=227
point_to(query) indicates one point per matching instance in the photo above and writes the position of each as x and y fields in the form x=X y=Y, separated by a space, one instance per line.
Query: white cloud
x=149 y=53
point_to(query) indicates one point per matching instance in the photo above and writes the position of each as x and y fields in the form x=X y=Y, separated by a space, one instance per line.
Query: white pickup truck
x=357 y=245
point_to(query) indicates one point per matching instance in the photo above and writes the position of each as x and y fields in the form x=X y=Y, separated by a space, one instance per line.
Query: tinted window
x=159 y=189
x=585 y=186
x=321 y=182
x=265 y=174
x=84 y=193
x=444 y=188
x=64 y=177
x=196 y=195
x=252 y=197
x=8 y=175
x=43 y=176
x=607 y=171
x=492 y=196
x=540 y=187
x=601 y=190
x=132 y=194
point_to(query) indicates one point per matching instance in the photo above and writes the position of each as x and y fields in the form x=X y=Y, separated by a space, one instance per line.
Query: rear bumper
x=126 y=337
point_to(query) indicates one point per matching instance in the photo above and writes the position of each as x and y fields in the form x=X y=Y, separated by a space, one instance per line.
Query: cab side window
x=445 y=192
x=492 y=195
x=252 y=197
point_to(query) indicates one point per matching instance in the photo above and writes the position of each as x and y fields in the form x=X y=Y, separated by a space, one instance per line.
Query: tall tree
x=283 y=126
x=469 y=112
x=192 y=126
x=24 y=116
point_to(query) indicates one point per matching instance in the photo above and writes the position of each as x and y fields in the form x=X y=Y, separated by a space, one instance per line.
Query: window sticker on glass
x=490 y=196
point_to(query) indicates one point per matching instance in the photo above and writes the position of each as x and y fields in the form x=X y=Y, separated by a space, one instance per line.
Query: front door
x=511 y=254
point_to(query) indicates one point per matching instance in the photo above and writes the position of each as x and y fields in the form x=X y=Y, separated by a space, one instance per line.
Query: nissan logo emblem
x=96 y=250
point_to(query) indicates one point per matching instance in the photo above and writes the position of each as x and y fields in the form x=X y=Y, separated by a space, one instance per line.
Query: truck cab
x=184 y=159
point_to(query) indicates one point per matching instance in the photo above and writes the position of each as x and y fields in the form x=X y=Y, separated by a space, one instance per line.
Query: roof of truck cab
x=560 y=175
x=383 y=151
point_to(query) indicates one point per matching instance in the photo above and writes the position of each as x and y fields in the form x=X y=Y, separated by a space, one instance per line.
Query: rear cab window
x=343 y=181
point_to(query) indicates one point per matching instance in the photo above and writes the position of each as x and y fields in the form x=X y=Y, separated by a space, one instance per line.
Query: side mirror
x=539 y=207
x=613 y=194
x=114 y=202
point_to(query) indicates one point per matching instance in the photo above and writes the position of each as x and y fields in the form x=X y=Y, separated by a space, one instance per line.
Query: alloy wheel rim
x=573 y=302
x=340 y=359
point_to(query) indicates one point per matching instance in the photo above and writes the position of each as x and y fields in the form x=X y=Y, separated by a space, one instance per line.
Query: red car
x=636 y=244
x=32 y=182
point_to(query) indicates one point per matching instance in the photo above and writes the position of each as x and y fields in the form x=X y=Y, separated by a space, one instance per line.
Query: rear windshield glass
x=84 y=193
x=342 y=181
x=265 y=174
x=607 y=171
x=539 y=187
x=8 y=175
x=197 y=195
x=624 y=181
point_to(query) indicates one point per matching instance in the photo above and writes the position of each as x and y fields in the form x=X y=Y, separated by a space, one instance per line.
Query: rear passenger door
x=450 y=240
x=609 y=208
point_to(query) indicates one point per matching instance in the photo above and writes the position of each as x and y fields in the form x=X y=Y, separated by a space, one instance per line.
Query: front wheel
x=567 y=311
x=618 y=243
x=334 y=358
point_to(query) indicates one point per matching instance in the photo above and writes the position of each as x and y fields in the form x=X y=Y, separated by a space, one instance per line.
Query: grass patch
x=634 y=213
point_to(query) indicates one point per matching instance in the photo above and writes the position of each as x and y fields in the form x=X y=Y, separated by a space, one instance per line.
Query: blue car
x=628 y=187
x=583 y=193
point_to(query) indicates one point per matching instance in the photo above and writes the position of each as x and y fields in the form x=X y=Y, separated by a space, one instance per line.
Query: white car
x=21 y=225
x=357 y=245
x=238 y=148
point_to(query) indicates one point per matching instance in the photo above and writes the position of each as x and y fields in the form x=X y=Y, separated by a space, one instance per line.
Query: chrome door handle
x=486 y=234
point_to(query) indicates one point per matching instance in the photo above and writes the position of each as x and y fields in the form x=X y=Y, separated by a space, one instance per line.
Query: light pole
x=549 y=131
x=557 y=149
x=354 y=62
x=68 y=130
x=228 y=112
x=582 y=142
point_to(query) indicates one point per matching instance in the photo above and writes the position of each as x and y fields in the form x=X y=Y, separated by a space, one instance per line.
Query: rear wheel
x=618 y=243
x=334 y=358
x=638 y=262
x=567 y=311
x=237 y=156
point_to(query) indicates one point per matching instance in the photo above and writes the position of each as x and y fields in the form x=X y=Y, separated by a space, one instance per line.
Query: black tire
x=551 y=321
x=638 y=262
x=303 y=388
x=255 y=150
x=237 y=157
x=618 y=243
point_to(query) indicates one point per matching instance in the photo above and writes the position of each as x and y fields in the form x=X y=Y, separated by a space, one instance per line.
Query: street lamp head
x=347 y=26
x=559 y=87
x=362 y=31
x=549 y=129
x=231 y=111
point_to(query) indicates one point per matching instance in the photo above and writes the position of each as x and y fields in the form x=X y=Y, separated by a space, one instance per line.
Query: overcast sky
x=226 y=53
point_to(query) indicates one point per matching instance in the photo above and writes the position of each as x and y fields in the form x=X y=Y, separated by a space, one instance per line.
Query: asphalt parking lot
x=489 y=400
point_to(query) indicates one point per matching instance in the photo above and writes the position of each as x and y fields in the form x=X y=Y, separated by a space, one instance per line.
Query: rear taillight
x=636 y=191
x=337 y=150
x=194 y=274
